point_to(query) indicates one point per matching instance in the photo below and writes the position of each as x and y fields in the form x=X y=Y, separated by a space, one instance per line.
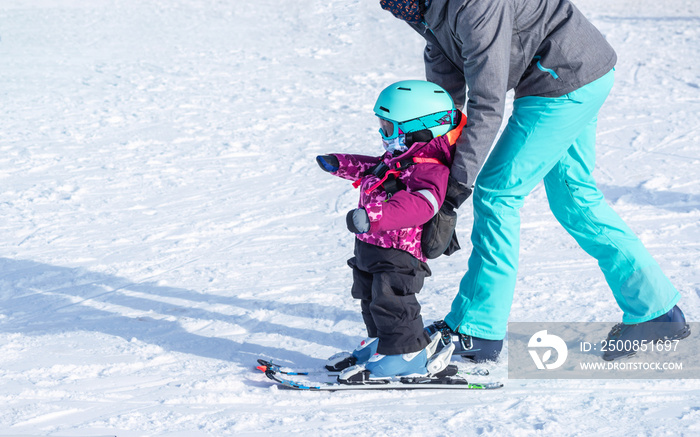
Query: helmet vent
x=403 y=88
x=384 y=109
x=439 y=92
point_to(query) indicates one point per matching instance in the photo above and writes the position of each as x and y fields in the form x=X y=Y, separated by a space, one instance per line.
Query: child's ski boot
x=362 y=353
x=389 y=366
x=426 y=362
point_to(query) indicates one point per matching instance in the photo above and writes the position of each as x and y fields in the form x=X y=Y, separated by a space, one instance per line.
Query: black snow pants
x=386 y=282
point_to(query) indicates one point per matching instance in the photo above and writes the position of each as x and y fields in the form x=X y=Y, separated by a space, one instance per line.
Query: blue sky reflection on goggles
x=391 y=129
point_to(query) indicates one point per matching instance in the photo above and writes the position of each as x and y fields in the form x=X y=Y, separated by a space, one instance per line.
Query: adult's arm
x=485 y=30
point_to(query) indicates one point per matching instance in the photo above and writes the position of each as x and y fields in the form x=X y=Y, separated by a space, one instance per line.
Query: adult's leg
x=640 y=288
x=537 y=136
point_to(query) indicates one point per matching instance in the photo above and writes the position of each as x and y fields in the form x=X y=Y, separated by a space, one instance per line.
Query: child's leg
x=362 y=290
x=394 y=310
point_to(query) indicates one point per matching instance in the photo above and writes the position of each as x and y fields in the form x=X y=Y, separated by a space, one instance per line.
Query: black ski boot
x=622 y=338
x=470 y=348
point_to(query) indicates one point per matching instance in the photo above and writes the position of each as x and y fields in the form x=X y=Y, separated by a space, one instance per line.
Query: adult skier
x=561 y=68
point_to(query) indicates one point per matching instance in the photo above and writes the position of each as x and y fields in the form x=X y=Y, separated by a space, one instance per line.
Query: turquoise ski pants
x=551 y=139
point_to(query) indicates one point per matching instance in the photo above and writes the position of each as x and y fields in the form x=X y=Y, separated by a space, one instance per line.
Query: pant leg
x=396 y=312
x=397 y=277
x=639 y=286
x=362 y=290
x=537 y=136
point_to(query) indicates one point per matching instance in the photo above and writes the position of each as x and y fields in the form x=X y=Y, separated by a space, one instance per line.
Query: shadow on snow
x=41 y=299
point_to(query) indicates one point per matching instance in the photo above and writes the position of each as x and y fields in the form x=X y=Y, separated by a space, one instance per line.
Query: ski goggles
x=390 y=129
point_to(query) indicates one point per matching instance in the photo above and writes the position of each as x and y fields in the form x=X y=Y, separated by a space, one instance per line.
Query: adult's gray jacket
x=483 y=48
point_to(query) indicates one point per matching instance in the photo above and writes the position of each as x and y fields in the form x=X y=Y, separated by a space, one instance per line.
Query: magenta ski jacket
x=397 y=221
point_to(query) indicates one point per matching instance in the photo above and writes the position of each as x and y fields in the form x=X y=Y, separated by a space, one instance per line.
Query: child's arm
x=351 y=167
x=414 y=206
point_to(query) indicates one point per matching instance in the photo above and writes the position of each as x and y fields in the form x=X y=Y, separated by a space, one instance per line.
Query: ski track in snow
x=164 y=223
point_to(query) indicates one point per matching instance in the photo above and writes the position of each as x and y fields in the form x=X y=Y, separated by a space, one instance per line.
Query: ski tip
x=265 y=366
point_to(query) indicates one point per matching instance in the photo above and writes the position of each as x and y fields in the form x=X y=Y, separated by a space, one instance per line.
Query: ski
x=264 y=365
x=453 y=381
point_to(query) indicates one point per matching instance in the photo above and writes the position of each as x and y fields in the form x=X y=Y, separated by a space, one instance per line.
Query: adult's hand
x=457 y=193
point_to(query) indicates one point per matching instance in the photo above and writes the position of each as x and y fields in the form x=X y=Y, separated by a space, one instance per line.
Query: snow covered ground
x=164 y=223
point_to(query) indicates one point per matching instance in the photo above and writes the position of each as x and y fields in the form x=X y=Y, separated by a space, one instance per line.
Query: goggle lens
x=386 y=128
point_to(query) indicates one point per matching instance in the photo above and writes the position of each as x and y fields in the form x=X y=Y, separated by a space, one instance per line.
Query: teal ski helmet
x=414 y=105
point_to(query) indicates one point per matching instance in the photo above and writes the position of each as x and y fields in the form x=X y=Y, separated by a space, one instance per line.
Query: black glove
x=439 y=236
x=357 y=221
x=328 y=163
x=457 y=193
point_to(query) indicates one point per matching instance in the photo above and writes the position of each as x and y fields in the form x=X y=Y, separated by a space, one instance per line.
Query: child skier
x=399 y=192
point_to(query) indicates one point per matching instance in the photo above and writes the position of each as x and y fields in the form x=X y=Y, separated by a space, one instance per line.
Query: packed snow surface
x=164 y=223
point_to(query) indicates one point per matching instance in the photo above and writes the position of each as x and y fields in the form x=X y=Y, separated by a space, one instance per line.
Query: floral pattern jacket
x=396 y=221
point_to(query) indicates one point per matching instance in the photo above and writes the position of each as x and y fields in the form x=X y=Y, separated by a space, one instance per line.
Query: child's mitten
x=357 y=221
x=328 y=163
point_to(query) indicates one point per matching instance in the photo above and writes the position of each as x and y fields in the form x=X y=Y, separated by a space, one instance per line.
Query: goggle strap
x=454 y=134
x=436 y=117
